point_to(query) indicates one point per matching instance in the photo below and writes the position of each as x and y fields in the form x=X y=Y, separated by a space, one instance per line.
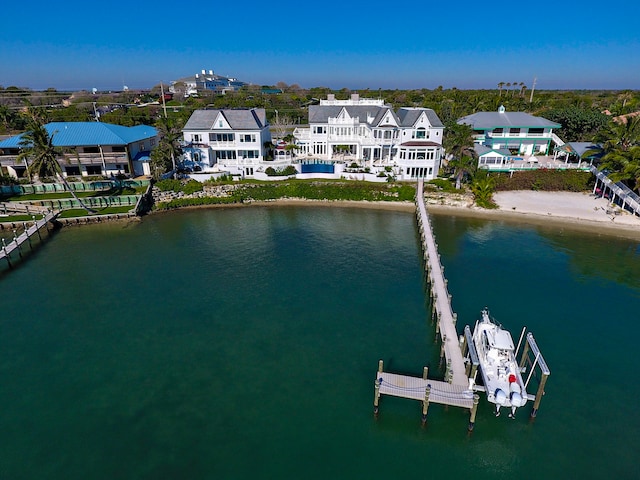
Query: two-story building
x=236 y=141
x=89 y=149
x=368 y=131
x=518 y=132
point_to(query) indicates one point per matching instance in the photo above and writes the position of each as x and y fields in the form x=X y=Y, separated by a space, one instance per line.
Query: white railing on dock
x=446 y=317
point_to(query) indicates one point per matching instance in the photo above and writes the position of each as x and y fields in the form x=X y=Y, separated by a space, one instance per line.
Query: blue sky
x=357 y=45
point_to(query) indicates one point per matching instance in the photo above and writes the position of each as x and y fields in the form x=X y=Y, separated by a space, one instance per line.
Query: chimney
x=204 y=72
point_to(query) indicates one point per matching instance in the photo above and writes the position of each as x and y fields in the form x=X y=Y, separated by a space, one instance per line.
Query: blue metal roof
x=78 y=134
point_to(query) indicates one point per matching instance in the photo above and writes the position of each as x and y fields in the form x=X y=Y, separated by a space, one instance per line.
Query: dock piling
x=474 y=410
x=425 y=404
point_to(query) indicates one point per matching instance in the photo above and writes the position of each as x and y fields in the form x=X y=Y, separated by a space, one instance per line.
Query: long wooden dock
x=458 y=388
x=445 y=317
x=454 y=391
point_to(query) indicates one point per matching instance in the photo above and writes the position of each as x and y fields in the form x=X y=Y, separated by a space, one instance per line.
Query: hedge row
x=329 y=191
x=545 y=180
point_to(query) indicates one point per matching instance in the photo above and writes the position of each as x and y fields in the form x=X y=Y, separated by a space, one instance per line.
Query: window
x=224 y=137
x=247 y=138
x=420 y=133
x=196 y=137
x=122 y=149
x=94 y=170
x=251 y=153
x=227 y=154
x=387 y=134
x=74 y=171
x=536 y=131
x=91 y=150
x=498 y=131
x=514 y=131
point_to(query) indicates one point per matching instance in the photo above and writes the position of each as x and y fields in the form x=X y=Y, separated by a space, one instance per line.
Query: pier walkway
x=25 y=236
x=454 y=390
x=440 y=297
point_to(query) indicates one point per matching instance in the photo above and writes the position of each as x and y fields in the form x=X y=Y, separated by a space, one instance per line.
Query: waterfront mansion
x=366 y=131
x=354 y=138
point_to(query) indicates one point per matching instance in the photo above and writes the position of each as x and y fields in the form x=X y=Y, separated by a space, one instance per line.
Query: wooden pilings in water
x=376 y=399
x=422 y=389
x=474 y=410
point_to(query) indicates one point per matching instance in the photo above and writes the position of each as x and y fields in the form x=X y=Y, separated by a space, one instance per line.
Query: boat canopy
x=500 y=339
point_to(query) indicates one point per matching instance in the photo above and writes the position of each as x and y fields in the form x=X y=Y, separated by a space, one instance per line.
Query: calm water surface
x=243 y=343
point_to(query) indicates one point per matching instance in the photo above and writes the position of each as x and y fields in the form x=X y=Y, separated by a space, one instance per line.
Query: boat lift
x=531 y=360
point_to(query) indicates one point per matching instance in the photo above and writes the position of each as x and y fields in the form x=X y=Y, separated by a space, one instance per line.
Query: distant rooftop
x=75 y=134
x=502 y=118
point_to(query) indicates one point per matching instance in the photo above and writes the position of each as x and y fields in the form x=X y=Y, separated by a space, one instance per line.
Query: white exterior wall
x=205 y=151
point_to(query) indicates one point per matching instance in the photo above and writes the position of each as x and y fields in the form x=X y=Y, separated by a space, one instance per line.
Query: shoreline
x=578 y=212
x=628 y=226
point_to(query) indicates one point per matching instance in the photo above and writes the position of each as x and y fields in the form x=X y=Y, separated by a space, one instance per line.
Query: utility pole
x=164 y=107
x=164 y=104
x=533 y=87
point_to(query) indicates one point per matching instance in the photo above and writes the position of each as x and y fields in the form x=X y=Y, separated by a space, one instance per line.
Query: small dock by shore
x=25 y=237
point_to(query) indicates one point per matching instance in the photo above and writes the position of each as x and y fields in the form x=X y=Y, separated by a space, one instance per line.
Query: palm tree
x=621 y=146
x=482 y=188
x=624 y=166
x=169 y=133
x=619 y=135
x=37 y=145
x=500 y=85
x=458 y=144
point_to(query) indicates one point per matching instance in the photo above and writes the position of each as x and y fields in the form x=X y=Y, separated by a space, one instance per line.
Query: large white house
x=367 y=131
x=518 y=132
x=226 y=140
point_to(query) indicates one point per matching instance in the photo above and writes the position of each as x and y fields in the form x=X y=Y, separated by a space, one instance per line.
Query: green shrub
x=443 y=184
x=192 y=186
x=7 y=180
x=543 y=179
x=169 y=184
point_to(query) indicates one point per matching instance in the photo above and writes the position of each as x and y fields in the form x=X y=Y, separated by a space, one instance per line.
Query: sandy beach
x=576 y=211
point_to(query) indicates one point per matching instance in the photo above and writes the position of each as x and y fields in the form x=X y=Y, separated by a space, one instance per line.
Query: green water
x=243 y=343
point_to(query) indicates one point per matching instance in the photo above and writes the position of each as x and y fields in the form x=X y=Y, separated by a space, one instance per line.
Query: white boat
x=500 y=371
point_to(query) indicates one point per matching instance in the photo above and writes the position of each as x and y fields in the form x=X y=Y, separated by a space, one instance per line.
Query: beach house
x=518 y=132
x=89 y=149
x=236 y=141
x=370 y=133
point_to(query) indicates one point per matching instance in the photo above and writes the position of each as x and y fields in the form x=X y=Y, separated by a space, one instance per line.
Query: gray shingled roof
x=405 y=117
x=491 y=120
x=409 y=116
x=322 y=113
x=241 y=119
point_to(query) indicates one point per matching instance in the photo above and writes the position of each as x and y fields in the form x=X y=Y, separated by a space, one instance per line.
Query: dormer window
x=420 y=134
